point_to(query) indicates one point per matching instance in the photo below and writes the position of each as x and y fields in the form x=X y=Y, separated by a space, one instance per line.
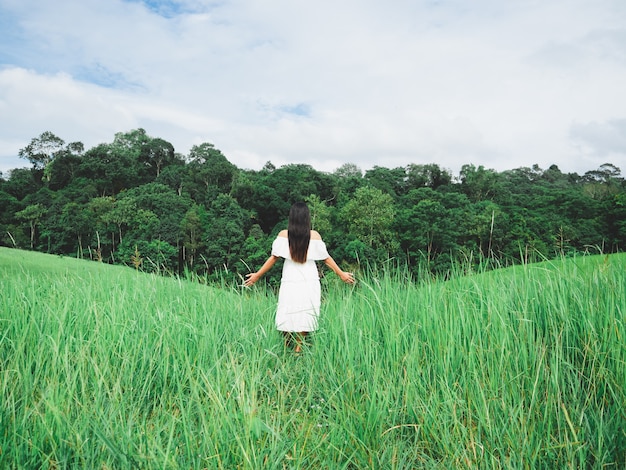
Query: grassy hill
x=105 y=367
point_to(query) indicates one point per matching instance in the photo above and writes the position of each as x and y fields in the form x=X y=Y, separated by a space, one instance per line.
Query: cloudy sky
x=503 y=84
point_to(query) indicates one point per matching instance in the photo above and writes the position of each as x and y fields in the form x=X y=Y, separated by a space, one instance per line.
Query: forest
x=136 y=201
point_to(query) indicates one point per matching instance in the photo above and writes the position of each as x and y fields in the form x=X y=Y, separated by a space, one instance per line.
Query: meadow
x=106 y=367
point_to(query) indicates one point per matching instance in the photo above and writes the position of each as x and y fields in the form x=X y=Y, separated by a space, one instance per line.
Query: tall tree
x=76 y=220
x=104 y=229
x=64 y=168
x=111 y=168
x=294 y=182
x=254 y=252
x=389 y=181
x=225 y=232
x=478 y=183
x=192 y=228
x=41 y=150
x=602 y=182
x=348 y=178
x=431 y=175
x=9 y=205
x=432 y=225
x=168 y=207
x=21 y=183
x=210 y=170
x=369 y=217
x=156 y=154
x=32 y=214
x=320 y=214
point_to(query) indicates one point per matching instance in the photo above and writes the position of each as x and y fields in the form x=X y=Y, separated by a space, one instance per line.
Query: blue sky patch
x=166 y=8
x=99 y=75
x=300 y=109
x=12 y=36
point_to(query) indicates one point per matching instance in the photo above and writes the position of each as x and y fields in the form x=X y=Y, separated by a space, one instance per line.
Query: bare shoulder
x=315 y=235
x=283 y=234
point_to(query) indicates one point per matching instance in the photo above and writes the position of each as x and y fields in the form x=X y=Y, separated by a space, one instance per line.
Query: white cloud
x=602 y=139
x=501 y=84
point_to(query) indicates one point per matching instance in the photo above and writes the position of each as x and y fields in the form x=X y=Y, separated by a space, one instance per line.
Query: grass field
x=104 y=367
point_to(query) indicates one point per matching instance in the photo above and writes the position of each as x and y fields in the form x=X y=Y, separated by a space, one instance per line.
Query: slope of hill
x=105 y=367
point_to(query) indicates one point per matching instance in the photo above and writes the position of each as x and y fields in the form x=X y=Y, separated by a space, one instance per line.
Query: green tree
x=347 y=179
x=320 y=214
x=602 y=182
x=156 y=154
x=349 y=170
x=76 y=220
x=254 y=251
x=432 y=227
x=431 y=175
x=369 y=217
x=80 y=190
x=21 y=183
x=41 y=150
x=148 y=155
x=168 y=207
x=131 y=142
x=244 y=188
x=389 y=181
x=267 y=207
x=225 y=233
x=192 y=228
x=295 y=182
x=481 y=226
x=104 y=230
x=174 y=176
x=210 y=173
x=32 y=215
x=61 y=171
x=616 y=217
x=9 y=205
x=111 y=168
x=478 y=183
x=152 y=256
x=122 y=215
x=277 y=190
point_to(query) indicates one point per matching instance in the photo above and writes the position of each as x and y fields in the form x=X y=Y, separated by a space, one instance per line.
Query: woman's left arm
x=346 y=277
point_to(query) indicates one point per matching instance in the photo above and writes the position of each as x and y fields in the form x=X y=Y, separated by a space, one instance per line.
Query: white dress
x=299 y=296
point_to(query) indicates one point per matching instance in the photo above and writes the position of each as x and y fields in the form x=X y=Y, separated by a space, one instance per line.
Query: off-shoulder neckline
x=283 y=234
x=287 y=239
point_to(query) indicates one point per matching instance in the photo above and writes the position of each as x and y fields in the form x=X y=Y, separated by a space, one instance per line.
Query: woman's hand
x=251 y=279
x=254 y=277
x=348 y=278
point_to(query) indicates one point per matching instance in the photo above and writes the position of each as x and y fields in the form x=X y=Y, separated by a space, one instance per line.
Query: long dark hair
x=299 y=231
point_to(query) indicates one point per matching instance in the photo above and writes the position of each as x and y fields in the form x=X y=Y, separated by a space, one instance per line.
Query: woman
x=299 y=296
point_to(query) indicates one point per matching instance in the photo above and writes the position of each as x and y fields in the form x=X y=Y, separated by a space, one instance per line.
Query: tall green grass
x=104 y=367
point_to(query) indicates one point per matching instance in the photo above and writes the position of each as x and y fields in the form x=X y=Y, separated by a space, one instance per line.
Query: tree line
x=136 y=201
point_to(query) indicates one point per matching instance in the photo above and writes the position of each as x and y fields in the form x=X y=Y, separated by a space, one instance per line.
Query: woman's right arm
x=254 y=277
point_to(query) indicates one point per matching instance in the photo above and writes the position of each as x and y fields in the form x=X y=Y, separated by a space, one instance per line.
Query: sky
x=502 y=84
